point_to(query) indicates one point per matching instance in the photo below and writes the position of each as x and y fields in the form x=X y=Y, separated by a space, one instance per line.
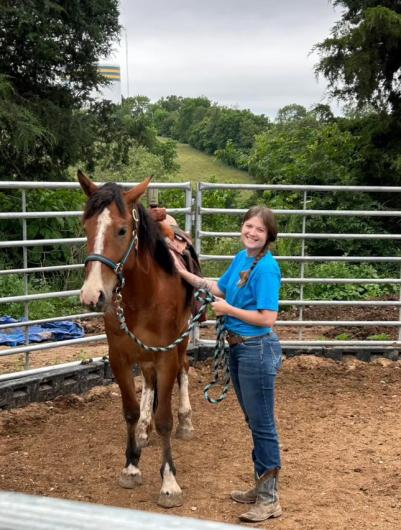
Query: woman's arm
x=196 y=281
x=262 y=318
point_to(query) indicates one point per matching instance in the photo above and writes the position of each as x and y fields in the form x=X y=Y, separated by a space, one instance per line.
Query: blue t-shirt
x=260 y=292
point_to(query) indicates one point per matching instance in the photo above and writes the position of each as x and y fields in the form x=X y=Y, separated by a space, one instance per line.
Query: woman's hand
x=178 y=263
x=221 y=307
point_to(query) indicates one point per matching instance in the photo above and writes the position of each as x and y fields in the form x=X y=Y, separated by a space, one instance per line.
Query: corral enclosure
x=338 y=421
x=339 y=429
x=341 y=285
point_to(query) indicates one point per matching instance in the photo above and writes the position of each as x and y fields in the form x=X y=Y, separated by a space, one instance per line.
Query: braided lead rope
x=202 y=295
x=221 y=369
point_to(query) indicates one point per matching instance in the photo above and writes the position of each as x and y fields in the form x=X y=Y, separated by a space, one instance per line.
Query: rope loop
x=221 y=370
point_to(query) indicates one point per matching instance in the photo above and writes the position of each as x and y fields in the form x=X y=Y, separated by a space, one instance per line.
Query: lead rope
x=221 y=370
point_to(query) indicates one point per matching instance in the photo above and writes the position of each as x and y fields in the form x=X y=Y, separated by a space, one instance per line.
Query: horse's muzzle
x=94 y=305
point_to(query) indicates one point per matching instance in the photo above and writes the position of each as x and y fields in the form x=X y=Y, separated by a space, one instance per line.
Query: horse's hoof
x=183 y=433
x=170 y=500
x=130 y=481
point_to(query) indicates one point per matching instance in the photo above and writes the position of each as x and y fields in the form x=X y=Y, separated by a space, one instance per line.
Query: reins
x=221 y=371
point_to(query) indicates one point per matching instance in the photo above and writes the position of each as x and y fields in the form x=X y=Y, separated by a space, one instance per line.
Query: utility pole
x=126 y=60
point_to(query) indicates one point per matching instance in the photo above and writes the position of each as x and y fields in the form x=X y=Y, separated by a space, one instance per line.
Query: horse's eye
x=122 y=232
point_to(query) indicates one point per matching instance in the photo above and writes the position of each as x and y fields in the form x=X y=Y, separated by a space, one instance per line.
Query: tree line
x=51 y=122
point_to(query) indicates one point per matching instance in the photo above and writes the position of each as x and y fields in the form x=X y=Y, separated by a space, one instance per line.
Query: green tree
x=362 y=58
x=48 y=55
x=191 y=112
x=362 y=62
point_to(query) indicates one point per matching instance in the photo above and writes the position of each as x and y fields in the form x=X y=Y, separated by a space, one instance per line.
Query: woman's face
x=254 y=235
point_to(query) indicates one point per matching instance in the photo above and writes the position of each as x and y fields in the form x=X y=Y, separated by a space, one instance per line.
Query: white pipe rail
x=189 y=210
x=27 y=512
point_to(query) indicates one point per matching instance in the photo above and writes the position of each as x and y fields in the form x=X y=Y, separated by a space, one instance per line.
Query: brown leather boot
x=267 y=502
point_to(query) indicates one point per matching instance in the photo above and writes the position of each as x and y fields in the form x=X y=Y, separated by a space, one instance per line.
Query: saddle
x=181 y=244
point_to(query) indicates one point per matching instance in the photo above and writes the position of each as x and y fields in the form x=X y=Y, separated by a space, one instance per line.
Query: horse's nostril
x=101 y=298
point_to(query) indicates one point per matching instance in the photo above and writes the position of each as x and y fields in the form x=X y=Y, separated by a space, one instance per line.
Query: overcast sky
x=240 y=53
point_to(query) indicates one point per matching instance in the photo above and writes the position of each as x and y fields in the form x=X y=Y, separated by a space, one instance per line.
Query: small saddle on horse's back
x=181 y=244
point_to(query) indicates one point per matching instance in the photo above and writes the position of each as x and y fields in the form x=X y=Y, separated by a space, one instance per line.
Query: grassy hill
x=197 y=166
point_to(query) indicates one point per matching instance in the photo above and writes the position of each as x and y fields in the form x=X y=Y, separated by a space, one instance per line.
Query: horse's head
x=109 y=219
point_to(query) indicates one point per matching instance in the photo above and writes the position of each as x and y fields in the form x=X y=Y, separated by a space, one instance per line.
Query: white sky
x=240 y=53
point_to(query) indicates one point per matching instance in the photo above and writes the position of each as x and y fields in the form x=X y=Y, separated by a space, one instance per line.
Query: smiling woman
x=247 y=295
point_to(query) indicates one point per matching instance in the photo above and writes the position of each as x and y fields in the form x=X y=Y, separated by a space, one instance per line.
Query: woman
x=247 y=295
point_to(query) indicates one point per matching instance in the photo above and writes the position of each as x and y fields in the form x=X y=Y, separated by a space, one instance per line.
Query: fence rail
x=195 y=213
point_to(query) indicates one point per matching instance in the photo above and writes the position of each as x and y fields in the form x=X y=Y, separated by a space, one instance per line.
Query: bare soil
x=340 y=432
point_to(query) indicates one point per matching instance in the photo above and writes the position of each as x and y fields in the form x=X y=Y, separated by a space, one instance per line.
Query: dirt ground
x=340 y=432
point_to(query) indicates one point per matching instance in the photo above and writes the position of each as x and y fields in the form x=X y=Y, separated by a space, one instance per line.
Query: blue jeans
x=253 y=368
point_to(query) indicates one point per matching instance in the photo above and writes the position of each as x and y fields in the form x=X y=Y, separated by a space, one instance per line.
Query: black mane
x=150 y=238
x=103 y=197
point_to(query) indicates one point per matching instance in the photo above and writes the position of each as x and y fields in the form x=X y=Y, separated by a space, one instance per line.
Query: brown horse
x=128 y=255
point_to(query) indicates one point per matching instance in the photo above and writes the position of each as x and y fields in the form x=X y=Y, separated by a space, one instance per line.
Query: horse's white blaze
x=146 y=408
x=131 y=470
x=169 y=485
x=94 y=282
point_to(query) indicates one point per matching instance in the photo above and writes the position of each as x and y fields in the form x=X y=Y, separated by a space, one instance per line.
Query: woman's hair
x=268 y=219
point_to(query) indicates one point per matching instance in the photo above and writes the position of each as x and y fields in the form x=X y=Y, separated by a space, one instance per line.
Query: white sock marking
x=145 y=417
x=169 y=485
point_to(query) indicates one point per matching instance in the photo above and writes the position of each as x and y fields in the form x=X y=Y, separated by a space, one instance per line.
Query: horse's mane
x=103 y=197
x=152 y=241
x=150 y=238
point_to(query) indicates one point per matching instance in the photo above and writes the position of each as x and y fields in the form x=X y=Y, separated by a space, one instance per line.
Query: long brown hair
x=270 y=223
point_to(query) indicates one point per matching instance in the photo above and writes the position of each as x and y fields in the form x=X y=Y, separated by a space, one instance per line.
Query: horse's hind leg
x=131 y=475
x=170 y=493
x=185 y=428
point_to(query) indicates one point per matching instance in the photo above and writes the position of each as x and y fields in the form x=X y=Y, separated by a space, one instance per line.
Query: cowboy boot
x=267 y=502
x=245 y=497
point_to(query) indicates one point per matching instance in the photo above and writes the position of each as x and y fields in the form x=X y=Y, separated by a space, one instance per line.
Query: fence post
x=197 y=242
x=188 y=204
x=302 y=272
x=25 y=266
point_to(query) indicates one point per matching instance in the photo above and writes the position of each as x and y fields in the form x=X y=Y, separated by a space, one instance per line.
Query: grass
x=200 y=167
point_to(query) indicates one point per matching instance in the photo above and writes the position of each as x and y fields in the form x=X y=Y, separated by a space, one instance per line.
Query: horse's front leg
x=170 y=493
x=185 y=428
x=131 y=475
x=143 y=426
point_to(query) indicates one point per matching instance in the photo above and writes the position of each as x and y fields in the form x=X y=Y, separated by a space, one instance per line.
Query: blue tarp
x=61 y=330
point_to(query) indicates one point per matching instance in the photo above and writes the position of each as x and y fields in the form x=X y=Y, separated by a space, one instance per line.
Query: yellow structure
x=110 y=72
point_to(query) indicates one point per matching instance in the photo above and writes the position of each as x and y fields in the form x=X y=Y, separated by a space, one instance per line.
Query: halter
x=118 y=267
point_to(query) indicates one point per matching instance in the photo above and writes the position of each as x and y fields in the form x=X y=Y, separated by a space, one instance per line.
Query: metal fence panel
x=195 y=212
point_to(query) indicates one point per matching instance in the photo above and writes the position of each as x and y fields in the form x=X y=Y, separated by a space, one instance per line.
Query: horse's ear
x=87 y=185
x=134 y=194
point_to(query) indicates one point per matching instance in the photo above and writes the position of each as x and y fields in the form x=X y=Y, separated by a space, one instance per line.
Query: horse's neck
x=144 y=277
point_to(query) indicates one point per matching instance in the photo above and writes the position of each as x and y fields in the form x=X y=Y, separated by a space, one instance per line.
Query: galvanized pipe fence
x=303 y=214
x=196 y=213
x=23 y=217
